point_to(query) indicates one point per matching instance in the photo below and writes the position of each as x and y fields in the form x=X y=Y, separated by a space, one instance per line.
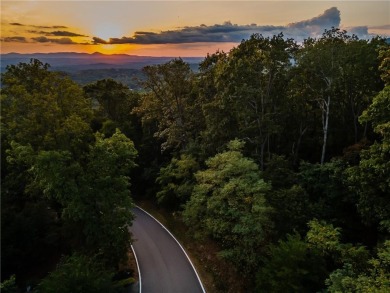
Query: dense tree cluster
x=65 y=186
x=277 y=152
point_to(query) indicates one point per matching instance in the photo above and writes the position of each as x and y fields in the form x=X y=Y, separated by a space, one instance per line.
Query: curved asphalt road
x=163 y=265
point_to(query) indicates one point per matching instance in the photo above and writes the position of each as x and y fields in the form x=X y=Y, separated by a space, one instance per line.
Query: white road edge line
x=139 y=271
x=196 y=273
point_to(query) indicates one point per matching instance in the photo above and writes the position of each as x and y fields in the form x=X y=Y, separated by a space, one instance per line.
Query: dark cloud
x=37 y=32
x=229 y=32
x=97 y=41
x=39 y=26
x=226 y=32
x=41 y=40
x=57 y=33
x=52 y=27
x=65 y=34
x=62 y=41
x=16 y=39
x=330 y=17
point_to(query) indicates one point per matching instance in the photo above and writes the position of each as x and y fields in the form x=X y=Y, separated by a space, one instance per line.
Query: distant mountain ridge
x=86 y=68
x=81 y=61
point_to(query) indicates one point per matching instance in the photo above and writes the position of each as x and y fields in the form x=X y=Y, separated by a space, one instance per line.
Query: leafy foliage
x=323 y=236
x=334 y=78
x=291 y=266
x=177 y=181
x=291 y=210
x=228 y=204
x=78 y=273
x=9 y=286
x=44 y=109
x=96 y=194
x=370 y=178
x=315 y=121
x=59 y=177
x=375 y=277
x=169 y=102
x=113 y=105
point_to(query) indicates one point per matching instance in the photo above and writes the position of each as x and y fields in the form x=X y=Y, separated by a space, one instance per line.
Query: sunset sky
x=176 y=28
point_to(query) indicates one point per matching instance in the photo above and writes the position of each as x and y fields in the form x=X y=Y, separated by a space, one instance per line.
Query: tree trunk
x=325 y=128
x=295 y=150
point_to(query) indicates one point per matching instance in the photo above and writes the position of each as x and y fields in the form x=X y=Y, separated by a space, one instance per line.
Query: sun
x=109 y=48
x=113 y=49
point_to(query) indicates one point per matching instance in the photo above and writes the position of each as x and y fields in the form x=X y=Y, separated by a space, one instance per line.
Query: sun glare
x=113 y=49
x=108 y=47
x=108 y=30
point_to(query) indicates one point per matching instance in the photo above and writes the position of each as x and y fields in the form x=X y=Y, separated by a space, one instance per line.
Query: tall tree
x=291 y=265
x=177 y=181
x=373 y=277
x=339 y=73
x=44 y=109
x=170 y=102
x=321 y=62
x=220 y=123
x=113 y=106
x=228 y=204
x=370 y=178
x=41 y=111
x=360 y=82
x=95 y=194
x=252 y=83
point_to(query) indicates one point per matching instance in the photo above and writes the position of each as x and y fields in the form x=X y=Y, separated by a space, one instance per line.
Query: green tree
x=291 y=209
x=331 y=200
x=44 y=109
x=170 y=102
x=321 y=61
x=370 y=179
x=177 y=181
x=41 y=111
x=30 y=236
x=228 y=204
x=9 y=286
x=113 y=106
x=326 y=239
x=78 y=273
x=291 y=266
x=251 y=84
x=220 y=124
x=335 y=78
x=374 y=278
x=360 y=82
x=300 y=121
x=384 y=56
x=95 y=195
x=110 y=162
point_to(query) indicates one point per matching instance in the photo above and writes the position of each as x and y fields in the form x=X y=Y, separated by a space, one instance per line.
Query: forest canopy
x=276 y=152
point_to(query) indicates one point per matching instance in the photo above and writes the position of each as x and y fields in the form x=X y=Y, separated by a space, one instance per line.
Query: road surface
x=164 y=267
